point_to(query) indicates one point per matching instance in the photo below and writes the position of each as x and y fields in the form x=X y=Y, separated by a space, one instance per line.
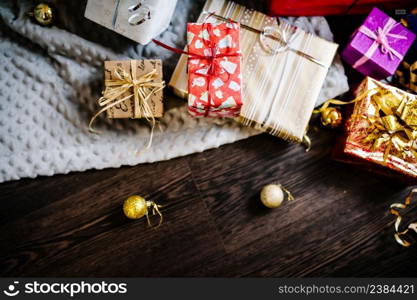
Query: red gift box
x=380 y=134
x=214 y=69
x=333 y=7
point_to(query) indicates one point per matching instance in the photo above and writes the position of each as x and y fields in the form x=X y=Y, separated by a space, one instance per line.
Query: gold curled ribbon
x=144 y=86
x=394 y=209
x=340 y=102
x=155 y=211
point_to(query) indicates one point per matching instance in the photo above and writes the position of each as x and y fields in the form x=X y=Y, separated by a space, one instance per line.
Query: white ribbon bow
x=380 y=37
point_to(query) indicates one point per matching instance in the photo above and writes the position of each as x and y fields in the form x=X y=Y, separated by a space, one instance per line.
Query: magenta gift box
x=381 y=63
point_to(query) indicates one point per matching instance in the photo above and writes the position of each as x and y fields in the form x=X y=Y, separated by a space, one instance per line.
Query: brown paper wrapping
x=279 y=91
x=126 y=109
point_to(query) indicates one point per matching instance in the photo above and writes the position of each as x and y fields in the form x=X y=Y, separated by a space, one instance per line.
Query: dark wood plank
x=85 y=233
x=214 y=223
x=339 y=214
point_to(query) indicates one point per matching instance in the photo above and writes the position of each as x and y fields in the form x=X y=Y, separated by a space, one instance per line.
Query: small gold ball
x=135 y=207
x=43 y=14
x=331 y=117
x=272 y=195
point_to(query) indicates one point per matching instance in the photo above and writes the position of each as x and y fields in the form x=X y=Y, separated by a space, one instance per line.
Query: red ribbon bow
x=214 y=69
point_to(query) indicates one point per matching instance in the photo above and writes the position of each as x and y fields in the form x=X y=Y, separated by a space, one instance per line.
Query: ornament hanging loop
x=290 y=197
x=155 y=211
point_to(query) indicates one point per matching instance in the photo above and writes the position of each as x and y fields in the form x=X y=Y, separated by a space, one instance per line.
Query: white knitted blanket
x=50 y=78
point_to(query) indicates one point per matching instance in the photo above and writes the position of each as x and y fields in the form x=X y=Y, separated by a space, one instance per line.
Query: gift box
x=277 y=86
x=135 y=87
x=214 y=78
x=378 y=46
x=332 y=7
x=132 y=107
x=137 y=20
x=381 y=131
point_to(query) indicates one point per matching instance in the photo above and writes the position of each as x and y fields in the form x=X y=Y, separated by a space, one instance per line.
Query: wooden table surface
x=214 y=224
x=339 y=224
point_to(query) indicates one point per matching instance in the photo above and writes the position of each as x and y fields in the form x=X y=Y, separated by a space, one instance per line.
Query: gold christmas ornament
x=135 y=207
x=272 y=195
x=331 y=117
x=43 y=14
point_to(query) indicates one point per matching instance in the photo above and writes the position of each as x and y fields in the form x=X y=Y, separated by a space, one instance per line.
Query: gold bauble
x=331 y=117
x=43 y=14
x=272 y=195
x=135 y=207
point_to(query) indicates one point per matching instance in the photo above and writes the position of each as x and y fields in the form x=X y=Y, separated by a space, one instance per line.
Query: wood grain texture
x=339 y=224
x=215 y=225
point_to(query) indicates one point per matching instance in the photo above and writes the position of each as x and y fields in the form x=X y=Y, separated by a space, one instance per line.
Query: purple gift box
x=378 y=46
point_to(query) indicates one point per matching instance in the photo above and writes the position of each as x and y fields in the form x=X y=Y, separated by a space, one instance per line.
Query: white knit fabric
x=50 y=78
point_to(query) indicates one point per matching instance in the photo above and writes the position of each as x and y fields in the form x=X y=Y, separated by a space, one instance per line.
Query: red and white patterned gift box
x=214 y=69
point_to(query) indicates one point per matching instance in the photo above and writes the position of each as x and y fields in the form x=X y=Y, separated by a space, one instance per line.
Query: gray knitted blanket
x=51 y=77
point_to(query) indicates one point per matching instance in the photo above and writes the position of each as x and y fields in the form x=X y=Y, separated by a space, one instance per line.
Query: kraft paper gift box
x=214 y=85
x=278 y=93
x=378 y=46
x=381 y=131
x=332 y=7
x=138 y=20
x=128 y=109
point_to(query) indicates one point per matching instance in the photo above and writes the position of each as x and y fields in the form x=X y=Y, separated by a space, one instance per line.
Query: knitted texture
x=51 y=77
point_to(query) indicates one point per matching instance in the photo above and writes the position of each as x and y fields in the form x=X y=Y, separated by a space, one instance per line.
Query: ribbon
x=394 y=125
x=276 y=34
x=394 y=209
x=380 y=40
x=144 y=86
x=210 y=62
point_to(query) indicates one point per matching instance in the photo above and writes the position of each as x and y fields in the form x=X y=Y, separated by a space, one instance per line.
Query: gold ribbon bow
x=394 y=124
x=143 y=88
x=395 y=207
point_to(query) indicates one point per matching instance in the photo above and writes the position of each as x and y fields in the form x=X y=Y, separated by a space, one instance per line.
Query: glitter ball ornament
x=331 y=117
x=272 y=195
x=135 y=207
x=43 y=14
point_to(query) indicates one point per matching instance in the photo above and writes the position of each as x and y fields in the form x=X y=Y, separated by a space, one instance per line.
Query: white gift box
x=139 y=20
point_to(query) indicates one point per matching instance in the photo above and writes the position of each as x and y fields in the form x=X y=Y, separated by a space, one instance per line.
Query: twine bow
x=380 y=40
x=395 y=210
x=140 y=88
